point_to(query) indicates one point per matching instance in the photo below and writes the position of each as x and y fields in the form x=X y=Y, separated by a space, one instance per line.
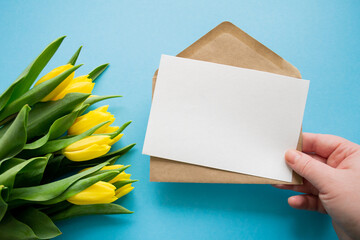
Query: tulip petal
x=123 y=191
x=102 y=109
x=91 y=152
x=112 y=167
x=111 y=129
x=99 y=193
x=87 y=121
x=115 y=139
x=80 y=87
x=55 y=72
x=120 y=177
x=112 y=157
x=87 y=142
x=84 y=78
x=117 y=153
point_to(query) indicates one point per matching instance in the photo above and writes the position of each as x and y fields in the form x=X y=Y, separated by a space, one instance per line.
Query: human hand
x=330 y=166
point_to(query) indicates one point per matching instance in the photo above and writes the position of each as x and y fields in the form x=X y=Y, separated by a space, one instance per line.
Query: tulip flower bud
x=55 y=72
x=122 y=191
x=90 y=147
x=99 y=193
x=91 y=119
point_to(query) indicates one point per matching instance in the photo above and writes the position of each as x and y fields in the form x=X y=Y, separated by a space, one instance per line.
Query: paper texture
x=222 y=121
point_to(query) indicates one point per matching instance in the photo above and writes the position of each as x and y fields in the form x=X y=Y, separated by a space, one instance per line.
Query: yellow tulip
x=82 y=84
x=91 y=119
x=55 y=72
x=120 y=177
x=89 y=147
x=99 y=193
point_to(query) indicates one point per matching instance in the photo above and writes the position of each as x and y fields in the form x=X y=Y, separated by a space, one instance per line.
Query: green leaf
x=9 y=163
x=98 y=71
x=122 y=183
x=14 y=138
x=29 y=75
x=8 y=119
x=8 y=177
x=3 y=204
x=53 y=169
x=50 y=190
x=56 y=145
x=32 y=173
x=73 y=59
x=43 y=115
x=81 y=210
x=95 y=99
x=52 y=209
x=35 y=94
x=79 y=186
x=59 y=127
x=13 y=229
x=117 y=132
x=39 y=222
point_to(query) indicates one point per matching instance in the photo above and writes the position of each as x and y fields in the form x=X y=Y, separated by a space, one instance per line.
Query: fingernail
x=292 y=156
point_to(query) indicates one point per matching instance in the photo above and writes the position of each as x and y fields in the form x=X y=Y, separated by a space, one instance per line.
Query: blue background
x=320 y=38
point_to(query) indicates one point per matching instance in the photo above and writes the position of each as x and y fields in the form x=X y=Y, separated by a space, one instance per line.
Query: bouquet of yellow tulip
x=54 y=154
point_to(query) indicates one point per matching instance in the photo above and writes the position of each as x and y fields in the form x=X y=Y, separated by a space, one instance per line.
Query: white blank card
x=225 y=117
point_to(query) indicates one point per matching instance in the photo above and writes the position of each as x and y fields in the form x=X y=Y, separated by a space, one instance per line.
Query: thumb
x=316 y=172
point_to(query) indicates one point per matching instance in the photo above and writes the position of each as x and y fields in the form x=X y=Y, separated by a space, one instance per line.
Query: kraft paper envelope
x=225 y=44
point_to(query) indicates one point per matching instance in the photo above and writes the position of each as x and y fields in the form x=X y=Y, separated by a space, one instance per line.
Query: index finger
x=321 y=144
